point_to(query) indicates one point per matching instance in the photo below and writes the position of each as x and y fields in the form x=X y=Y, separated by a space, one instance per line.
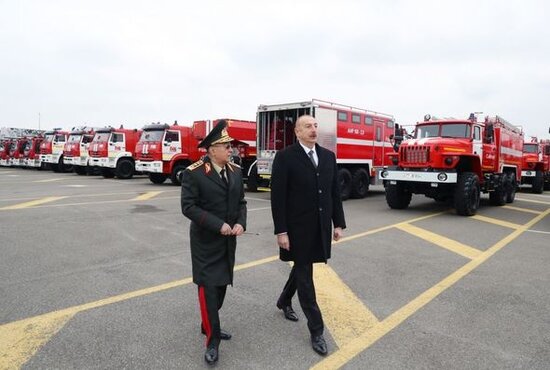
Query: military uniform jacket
x=305 y=202
x=208 y=203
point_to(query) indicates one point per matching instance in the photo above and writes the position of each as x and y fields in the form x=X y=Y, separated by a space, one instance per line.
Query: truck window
x=390 y=124
x=153 y=135
x=74 y=138
x=60 y=138
x=530 y=148
x=117 y=138
x=378 y=133
x=456 y=130
x=343 y=116
x=368 y=120
x=355 y=118
x=427 y=131
x=87 y=139
x=101 y=137
x=477 y=133
x=172 y=136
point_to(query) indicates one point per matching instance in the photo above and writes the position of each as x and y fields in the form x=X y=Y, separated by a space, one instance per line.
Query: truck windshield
x=445 y=130
x=530 y=148
x=74 y=138
x=427 y=131
x=49 y=137
x=155 y=135
x=101 y=137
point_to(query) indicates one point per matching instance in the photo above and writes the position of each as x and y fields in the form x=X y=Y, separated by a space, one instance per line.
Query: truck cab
x=535 y=165
x=113 y=151
x=16 y=152
x=51 y=150
x=31 y=152
x=75 y=152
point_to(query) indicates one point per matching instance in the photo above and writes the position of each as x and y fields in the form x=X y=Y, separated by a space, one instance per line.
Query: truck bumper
x=32 y=162
x=153 y=166
x=528 y=173
x=436 y=177
x=76 y=161
x=49 y=158
x=98 y=161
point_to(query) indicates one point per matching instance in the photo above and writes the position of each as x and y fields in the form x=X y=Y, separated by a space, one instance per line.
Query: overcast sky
x=135 y=62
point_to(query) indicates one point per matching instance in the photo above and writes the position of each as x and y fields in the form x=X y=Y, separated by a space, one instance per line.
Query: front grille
x=415 y=154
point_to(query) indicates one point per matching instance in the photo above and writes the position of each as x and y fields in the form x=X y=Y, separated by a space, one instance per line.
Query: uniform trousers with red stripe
x=211 y=300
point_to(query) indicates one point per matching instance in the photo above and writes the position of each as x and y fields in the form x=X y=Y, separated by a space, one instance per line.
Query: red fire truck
x=51 y=150
x=113 y=150
x=16 y=151
x=358 y=137
x=31 y=152
x=456 y=159
x=164 y=151
x=536 y=165
x=75 y=152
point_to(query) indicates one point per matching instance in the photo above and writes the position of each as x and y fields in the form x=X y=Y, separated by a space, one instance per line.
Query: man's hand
x=283 y=242
x=238 y=230
x=226 y=229
x=337 y=233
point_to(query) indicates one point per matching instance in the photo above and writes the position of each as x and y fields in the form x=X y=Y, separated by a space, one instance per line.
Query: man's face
x=220 y=153
x=306 y=130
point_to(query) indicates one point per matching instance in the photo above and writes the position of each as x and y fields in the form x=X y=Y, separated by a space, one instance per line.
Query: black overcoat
x=305 y=202
x=208 y=203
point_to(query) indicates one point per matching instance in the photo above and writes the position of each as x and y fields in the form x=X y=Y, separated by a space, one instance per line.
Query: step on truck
x=75 y=152
x=455 y=160
x=358 y=137
x=51 y=150
x=113 y=151
x=536 y=165
x=164 y=151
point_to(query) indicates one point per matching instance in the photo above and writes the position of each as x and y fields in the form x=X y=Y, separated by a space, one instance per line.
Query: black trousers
x=210 y=301
x=301 y=280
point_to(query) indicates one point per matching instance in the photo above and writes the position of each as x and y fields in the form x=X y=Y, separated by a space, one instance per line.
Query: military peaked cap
x=218 y=135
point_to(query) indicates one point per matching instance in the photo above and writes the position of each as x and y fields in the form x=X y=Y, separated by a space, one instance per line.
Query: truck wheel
x=511 y=187
x=107 y=173
x=80 y=170
x=344 y=177
x=547 y=185
x=124 y=169
x=55 y=167
x=252 y=181
x=498 y=196
x=360 y=183
x=176 y=174
x=538 y=182
x=397 y=196
x=466 y=196
x=157 y=178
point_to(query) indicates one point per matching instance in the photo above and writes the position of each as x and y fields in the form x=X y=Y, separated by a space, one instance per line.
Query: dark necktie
x=310 y=153
x=222 y=175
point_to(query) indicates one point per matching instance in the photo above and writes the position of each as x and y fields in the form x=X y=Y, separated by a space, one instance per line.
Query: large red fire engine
x=16 y=152
x=113 y=150
x=164 y=151
x=536 y=165
x=358 y=137
x=4 y=151
x=31 y=152
x=75 y=152
x=51 y=150
x=456 y=159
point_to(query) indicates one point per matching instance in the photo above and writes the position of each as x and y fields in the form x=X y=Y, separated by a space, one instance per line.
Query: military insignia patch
x=195 y=165
x=207 y=168
x=233 y=165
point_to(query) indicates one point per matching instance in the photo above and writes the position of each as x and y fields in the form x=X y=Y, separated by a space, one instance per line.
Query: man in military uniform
x=212 y=197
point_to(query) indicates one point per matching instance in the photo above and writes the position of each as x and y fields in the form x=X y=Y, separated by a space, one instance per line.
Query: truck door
x=378 y=143
x=477 y=142
x=171 y=145
x=116 y=144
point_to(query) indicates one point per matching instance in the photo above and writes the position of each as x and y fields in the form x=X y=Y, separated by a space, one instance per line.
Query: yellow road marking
x=88 y=195
x=441 y=241
x=342 y=356
x=51 y=180
x=523 y=210
x=344 y=314
x=496 y=221
x=32 y=203
x=532 y=201
x=18 y=348
x=148 y=195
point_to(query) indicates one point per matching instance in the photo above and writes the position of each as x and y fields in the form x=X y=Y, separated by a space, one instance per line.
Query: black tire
x=397 y=196
x=344 y=178
x=512 y=186
x=177 y=172
x=55 y=167
x=124 y=169
x=80 y=170
x=547 y=185
x=538 y=183
x=498 y=196
x=107 y=173
x=252 y=181
x=467 y=194
x=157 y=178
x=360 y=183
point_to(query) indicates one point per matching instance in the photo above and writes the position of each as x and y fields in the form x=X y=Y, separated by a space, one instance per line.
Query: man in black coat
x=305 y=204
x=212 y=197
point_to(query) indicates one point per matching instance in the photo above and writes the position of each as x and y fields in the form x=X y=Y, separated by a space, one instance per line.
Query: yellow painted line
x=91 y=195
x=496 y=221
x=32 y=203
x=441 y=241
x=345 y=316
x=52 y=180
x=532 y=201
x=148 y=195
x=342 y=356
x=263 y=189
x=523 y=210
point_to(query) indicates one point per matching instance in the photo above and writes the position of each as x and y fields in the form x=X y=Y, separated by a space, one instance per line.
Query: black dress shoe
x=288 y=311
x=211 y=355
x=224 y=335
x=319 y=345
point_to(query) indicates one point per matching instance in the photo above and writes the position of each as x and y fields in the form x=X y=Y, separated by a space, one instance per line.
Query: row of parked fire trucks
x=445 y=159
